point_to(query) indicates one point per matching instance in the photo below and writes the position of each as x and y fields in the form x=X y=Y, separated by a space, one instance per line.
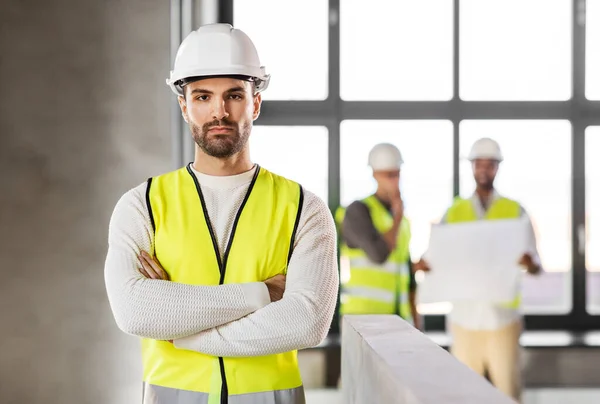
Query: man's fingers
x=142 y=269
x=143 y=272
x=149 y=269
x=157 y=270
x=160 y=273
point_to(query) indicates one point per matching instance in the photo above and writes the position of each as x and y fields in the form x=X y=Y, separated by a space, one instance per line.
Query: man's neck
x=237 y=164
x=485 y=195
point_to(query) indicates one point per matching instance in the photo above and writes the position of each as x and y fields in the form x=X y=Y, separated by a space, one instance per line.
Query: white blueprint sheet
x=476 y=261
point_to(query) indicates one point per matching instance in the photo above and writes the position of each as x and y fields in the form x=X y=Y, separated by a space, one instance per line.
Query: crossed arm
x=227 y=320
x=301 y=319
x=160 y=309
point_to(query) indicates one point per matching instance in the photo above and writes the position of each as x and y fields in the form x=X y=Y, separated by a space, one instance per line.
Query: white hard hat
x=385 y=156
x=485 y=148
x=217 y=50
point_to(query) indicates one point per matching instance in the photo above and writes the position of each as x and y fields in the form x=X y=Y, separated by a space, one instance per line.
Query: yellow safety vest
x=259 y=247
x=503 y=208
x=374 y=288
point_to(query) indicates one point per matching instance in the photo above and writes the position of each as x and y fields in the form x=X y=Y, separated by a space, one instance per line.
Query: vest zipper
x=223 y=263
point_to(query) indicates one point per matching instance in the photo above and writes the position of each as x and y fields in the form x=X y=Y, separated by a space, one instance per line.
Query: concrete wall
x=386 y=360
x=84 y=116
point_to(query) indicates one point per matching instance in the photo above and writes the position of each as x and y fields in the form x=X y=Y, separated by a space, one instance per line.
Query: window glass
x=285 y=150
x=592 y=50
x=404 y=53
x=592 y=201
x=515 y=49
x=292 y=43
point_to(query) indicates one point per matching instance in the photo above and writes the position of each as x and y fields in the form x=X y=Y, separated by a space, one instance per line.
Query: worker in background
x=223 y=268
x=486 y=336
x=375 y=264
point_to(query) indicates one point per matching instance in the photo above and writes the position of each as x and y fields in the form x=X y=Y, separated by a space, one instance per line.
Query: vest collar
x=387 y=206
x=480 y=210
x=224 y=182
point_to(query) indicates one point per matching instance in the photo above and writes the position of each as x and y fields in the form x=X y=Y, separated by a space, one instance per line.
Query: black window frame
x=578 y=110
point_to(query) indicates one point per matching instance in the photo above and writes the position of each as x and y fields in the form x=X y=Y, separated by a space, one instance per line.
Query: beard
x=485 y=183
x=221 y=145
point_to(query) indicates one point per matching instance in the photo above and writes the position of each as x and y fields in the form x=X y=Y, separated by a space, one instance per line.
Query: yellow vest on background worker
x=462 y=210
x=376 y=288
x=259 y=248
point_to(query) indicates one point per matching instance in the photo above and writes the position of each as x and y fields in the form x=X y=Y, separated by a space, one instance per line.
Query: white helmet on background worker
x=385 y=156
x=217 y=50
x=485 y=148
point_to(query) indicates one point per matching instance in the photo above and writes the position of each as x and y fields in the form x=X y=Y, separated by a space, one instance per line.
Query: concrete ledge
x=386 y=360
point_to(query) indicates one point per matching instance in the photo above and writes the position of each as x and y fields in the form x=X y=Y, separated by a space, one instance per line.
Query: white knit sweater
x=226 y=320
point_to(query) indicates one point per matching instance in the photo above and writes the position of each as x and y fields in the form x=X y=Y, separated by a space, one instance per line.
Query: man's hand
x=391 y=236
x=422 y=265
x=397 y=205
x=151 y=269
x=276 y=286
x=398 y=209
x=528 y=263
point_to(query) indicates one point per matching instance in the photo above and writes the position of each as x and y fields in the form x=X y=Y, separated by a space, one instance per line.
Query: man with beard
x=223 y=268
x=486 y=336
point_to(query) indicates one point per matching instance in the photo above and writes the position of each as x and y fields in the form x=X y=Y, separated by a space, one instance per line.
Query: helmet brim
x=260 y=78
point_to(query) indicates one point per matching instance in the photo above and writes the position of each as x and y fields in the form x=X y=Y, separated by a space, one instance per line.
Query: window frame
x=330 y=112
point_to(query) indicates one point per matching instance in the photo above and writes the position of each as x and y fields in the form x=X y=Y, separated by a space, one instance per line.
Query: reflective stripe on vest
x=366 y=292
x=259 y=247
x=503 y=208
x=161 y=395
x=365 y=263
x=371 y=288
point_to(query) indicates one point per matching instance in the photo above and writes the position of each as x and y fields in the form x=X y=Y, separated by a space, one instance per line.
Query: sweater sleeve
x=158 y=309
x=301 y=319
x=359 y=231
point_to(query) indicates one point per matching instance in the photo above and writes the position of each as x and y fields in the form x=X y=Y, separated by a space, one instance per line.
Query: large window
x=403 y=53
x=431 y=77
x=592 y=42
x=296 y=152
x=426 y=175
x=515 y=49
x=291 y=38
x=592 y=203
x=536 y=172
